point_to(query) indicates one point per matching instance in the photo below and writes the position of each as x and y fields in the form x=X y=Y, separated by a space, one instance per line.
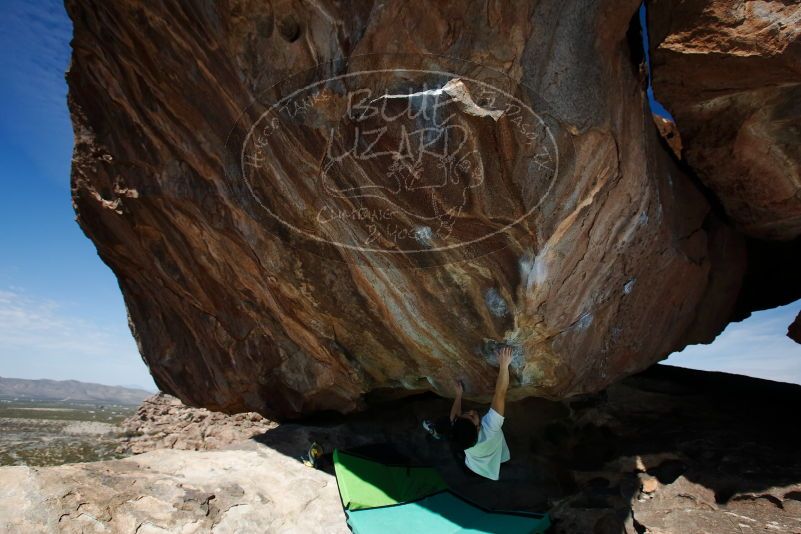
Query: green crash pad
x=384 y=498
x=443 y=513
x=366 y=483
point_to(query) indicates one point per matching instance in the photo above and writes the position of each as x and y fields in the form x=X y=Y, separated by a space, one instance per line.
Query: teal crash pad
x=443 y=513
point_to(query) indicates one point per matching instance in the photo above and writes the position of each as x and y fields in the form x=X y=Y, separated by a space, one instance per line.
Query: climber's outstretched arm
x=502 y=383
x=456 y=409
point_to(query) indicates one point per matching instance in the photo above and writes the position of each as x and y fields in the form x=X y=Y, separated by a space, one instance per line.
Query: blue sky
x=757 y=346
x=61 y=311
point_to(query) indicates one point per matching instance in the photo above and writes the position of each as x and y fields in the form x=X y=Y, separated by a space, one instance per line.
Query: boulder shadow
x=667 y=439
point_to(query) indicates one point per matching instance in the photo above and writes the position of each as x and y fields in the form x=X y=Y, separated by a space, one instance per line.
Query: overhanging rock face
x=312 y=205
x=730 y=73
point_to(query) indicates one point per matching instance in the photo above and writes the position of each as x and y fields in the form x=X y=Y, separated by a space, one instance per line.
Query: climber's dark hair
x=463 y=434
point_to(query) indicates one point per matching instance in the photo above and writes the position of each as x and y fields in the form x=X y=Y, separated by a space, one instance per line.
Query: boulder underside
x=313 y=206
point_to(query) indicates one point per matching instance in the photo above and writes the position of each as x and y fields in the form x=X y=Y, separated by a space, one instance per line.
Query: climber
x=479 y=441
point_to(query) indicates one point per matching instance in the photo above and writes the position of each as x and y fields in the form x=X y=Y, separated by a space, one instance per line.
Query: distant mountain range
x=70 y=390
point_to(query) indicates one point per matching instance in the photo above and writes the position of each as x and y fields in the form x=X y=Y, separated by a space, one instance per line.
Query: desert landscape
x=54 y=433
x=50 y=422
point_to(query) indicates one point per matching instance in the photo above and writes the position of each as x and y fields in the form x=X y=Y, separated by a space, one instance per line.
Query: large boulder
x=730 y=74
x=275 y=258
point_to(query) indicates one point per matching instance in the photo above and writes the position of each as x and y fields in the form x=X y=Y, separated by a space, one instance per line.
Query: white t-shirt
x=490 y=451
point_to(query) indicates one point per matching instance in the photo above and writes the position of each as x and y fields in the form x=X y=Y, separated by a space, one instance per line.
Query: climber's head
x=464 y=432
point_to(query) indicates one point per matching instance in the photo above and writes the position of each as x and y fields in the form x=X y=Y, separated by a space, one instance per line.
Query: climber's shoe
x=428 y=425
x=311 y=458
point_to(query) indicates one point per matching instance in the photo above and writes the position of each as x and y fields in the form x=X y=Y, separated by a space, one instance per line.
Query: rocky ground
x=164 y=422
x=666 y=451
x=254 y=489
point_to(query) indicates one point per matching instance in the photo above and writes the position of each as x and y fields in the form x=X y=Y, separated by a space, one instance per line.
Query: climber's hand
x=459 y=387
x=505 y=356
